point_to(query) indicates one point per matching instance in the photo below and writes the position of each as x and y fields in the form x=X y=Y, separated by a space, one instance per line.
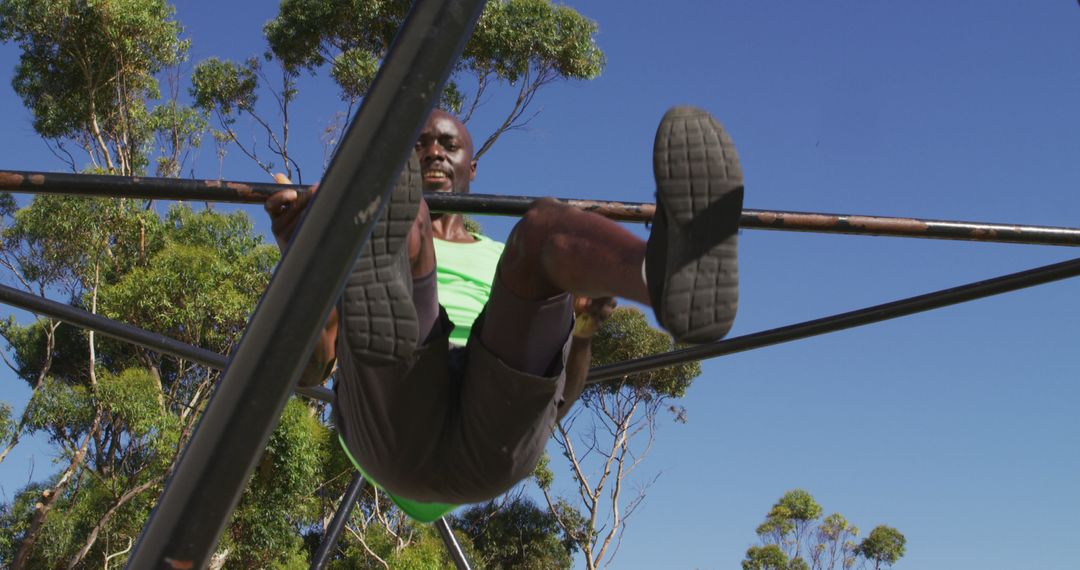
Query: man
x=435 y=426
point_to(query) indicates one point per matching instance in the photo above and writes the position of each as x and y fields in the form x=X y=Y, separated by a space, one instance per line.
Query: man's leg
x=692 y=263
x=394 y=387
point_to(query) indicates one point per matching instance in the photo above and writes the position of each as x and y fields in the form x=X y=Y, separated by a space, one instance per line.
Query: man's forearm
x=577 y=370
x=324 y=358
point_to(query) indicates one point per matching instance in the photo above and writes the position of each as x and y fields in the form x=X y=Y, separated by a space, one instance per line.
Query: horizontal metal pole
x=870 y=315
x=497 y=205
x=127 y=333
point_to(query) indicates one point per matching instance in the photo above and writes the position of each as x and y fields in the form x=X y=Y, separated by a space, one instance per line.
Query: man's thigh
x=507 y=414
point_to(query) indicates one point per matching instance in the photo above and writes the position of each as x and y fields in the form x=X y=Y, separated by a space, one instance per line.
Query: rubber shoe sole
x=381 y=326
x=692 y=253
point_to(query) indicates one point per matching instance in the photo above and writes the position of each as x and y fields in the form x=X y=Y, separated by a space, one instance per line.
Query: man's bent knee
x=521 y=267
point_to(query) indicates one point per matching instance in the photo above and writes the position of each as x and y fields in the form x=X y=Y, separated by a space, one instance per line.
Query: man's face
x=445 y=152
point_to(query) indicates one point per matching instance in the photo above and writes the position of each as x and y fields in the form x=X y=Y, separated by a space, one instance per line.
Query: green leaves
x=515 y=534
x=224 y=86
x=523 y=43
x=133 y=399
x=885 y=545
x=7 y=423
x=796 y=506
x=60 y=409
x=768 y=557
x=86 y=71
x=353 y=71
x=202 y=283
x=627 y=335
x=514 y=35
x=790 y=541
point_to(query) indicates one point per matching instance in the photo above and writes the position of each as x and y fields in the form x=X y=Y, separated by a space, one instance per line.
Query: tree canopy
x=794 y=536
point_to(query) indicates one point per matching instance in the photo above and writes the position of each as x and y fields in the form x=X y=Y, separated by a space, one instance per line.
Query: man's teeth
x=436 y=175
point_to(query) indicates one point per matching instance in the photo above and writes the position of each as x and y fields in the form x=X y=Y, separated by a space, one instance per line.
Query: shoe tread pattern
x=698 y=177
x=379 y=318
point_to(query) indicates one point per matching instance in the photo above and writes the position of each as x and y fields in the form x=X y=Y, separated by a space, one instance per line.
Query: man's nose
x=429 y=151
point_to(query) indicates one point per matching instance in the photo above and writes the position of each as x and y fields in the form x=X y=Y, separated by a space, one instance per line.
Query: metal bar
x=497 y=205
x=337 y=524
x=210 y=476
x=875 y=314
x=128 y=333
x=452 y=546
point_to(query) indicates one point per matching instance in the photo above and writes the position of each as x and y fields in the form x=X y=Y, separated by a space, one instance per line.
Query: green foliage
x=86 y=71
x=472 y=226
x=263 y=531
x=60 y=408
x=883 y=546
x=627 y=335
x=768 y=557
x=28 y=345
x=514 y=35
x=69 y=241
x=510 y=37
x=225 y=86
x=516 y=534
x=424 y=550
x=522 y=43
x=542 y=474
x=133 y=398
x=200 y=284
x=7 y=423
x=796 y=506
x=791 y=541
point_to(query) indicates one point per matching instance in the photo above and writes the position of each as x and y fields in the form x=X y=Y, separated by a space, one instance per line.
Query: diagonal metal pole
x=211 y=474
x=337 y=524
x=128 y=333
x=452 y=546
x=498 y=205
x=869 y=315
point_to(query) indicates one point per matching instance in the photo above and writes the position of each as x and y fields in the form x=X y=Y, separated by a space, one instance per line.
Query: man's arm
x=591 y=314
x=286 y=209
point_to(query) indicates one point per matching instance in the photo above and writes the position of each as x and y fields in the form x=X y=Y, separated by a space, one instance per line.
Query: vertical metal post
x=452 y=545
x=210 y=477
x=337 y=524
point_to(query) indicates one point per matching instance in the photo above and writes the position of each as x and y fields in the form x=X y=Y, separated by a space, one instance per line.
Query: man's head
x=445 y=150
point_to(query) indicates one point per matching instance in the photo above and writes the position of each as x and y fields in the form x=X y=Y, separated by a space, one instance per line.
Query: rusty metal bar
x=498 y=205
x=870 y=315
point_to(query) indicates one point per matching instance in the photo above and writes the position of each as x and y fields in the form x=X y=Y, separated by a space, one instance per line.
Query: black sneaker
x=691 y=260
x=381 y=326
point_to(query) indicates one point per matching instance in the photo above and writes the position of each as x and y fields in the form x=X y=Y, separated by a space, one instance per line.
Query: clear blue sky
x=957 y=427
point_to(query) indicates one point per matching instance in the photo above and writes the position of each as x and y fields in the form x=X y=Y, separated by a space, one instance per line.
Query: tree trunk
x=49 y=496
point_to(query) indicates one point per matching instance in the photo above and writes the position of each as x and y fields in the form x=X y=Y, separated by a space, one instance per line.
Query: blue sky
x=958 y=427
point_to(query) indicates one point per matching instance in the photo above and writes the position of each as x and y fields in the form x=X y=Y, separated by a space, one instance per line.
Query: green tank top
x=464 y=275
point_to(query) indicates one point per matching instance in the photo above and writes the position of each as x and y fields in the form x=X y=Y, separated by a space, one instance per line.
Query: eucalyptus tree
x=523 y=44
x=795 y=536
